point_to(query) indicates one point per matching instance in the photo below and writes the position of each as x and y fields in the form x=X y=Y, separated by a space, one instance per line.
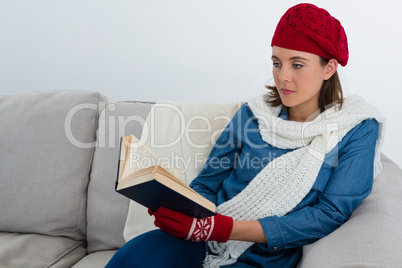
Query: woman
x=301 y=158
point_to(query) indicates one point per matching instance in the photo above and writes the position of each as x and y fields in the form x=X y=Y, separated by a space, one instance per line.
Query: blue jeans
x=159 y=249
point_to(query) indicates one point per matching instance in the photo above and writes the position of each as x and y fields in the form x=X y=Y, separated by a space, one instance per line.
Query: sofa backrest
x=107 y=210
x=46 y=148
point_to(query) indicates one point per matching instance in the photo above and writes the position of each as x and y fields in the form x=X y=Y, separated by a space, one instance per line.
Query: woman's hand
x=215 y=228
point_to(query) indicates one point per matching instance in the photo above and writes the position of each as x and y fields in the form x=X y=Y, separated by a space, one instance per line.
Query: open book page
x=139 y=156
x=174 y=178
x=123 y=156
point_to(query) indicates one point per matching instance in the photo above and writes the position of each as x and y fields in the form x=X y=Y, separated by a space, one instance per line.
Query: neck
x=299 y=114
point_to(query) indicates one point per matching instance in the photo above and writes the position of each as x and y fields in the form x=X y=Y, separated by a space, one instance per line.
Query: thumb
x=150 y=212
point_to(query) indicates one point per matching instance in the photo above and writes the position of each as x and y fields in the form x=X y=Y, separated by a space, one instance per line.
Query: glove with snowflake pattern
x=214 y=228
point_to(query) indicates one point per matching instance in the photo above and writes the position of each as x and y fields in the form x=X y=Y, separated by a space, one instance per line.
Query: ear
x=330 y=68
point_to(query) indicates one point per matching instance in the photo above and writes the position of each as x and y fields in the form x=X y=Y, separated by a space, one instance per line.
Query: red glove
x=214 y=228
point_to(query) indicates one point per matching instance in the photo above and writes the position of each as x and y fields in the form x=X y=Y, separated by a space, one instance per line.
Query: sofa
x=58 y=167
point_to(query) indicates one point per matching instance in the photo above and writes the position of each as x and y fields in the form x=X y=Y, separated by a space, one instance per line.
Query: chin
x=288 y=102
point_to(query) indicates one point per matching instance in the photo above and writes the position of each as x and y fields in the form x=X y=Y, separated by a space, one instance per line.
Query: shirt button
x=275 y=248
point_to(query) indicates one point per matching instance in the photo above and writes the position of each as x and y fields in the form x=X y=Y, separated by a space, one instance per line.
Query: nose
x=284 y=74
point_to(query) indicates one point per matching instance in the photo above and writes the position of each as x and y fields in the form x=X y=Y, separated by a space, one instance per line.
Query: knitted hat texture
x=308 y=28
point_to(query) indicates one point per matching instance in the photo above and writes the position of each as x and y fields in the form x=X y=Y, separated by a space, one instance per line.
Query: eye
x=276 y=64
x=297 y=66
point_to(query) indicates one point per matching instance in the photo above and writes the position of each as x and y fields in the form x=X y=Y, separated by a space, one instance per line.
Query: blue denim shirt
x=344 y=180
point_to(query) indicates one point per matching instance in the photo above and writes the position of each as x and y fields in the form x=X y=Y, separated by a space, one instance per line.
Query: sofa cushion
x=32 y=250
x=373 y=235
x=107 y=210
x=182 y=134
x=96 y=259
x=46 y=149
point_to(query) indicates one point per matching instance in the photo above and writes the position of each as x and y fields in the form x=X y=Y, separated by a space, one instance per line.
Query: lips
x=285 y=91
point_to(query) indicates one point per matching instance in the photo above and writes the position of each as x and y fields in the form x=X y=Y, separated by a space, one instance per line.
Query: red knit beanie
x=305 y=27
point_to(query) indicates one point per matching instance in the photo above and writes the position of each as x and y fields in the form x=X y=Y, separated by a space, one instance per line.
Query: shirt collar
x=284 y=113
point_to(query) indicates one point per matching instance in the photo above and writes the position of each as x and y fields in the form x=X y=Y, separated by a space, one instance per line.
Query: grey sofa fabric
x=38 y=251
x=107 y=210
x=373 y=235
x=43 y=173
x=97 y=259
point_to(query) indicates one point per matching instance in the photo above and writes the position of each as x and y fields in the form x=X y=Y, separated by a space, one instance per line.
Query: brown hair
x=330 y=92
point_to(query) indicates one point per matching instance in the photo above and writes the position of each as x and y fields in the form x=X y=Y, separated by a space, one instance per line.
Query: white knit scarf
x=286 y=180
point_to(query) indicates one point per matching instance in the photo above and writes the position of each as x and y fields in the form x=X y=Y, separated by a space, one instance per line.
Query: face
x=298 y=77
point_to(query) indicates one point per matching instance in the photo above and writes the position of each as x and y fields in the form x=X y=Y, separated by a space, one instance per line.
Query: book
x=147 y=180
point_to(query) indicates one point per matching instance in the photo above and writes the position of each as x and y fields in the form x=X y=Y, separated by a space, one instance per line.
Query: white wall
x=208 y=51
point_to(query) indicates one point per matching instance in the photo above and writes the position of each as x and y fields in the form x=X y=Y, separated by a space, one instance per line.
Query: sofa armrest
x=373 y=235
